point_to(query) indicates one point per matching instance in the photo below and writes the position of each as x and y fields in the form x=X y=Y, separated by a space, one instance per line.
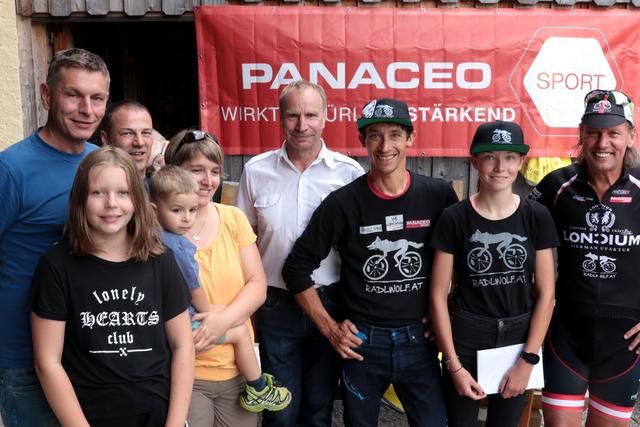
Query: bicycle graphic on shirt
x=606 y=263
x=513 y=255
x=408 y=262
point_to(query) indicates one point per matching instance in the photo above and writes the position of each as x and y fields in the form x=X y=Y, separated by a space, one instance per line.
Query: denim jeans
x=300 y=357
x=402 y=357
x=472 y=332
x=22 y=402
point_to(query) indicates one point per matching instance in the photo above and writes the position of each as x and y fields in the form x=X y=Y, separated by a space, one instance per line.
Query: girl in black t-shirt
x=111 y=332
x=492 y=245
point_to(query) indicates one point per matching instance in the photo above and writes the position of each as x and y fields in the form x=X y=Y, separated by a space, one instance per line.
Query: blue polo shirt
x=35 y=181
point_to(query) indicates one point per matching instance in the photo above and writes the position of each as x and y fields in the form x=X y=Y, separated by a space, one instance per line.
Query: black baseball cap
x=607 y=108
x=498 y=136
x=385 y=110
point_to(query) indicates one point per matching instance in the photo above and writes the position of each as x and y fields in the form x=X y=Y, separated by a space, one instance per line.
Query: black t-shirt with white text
x=386 y=262
x=494 y=260
x=115 y=351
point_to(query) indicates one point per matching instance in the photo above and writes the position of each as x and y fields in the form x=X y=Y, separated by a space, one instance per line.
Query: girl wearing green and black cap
x=492 y=245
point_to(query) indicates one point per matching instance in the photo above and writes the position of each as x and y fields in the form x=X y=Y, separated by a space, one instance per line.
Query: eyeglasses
x=613 y=96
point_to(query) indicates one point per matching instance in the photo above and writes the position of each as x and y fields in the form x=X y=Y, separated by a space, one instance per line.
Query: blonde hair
x=300 y=85
x=171 y=180
x=178 y=152
x=143 y=227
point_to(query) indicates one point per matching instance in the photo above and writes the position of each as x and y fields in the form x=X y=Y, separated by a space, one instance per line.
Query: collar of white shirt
x=325 y=155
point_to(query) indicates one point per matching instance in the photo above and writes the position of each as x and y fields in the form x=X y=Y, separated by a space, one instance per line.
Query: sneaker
x=274 y=397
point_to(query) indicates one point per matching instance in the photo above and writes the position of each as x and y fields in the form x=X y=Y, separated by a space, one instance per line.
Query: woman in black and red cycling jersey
x=593 y=339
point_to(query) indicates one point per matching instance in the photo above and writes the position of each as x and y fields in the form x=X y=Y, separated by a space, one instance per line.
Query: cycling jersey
x=597 y=295
x=599 y=249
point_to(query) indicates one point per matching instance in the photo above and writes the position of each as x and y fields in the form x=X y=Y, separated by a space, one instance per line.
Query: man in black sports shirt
x=593 y=338
x=380 y=224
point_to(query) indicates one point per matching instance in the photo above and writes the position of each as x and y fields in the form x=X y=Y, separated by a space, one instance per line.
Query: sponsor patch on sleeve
x=368 y=229
x=419 y=223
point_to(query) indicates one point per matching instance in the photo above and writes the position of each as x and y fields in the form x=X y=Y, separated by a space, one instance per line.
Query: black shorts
x=586 y=352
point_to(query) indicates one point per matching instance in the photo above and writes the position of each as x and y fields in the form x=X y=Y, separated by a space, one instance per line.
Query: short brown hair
x=300 y=85
x=107 y=121
x=178 y=152
x=143 y=227
x=171 y=180
x=75 y=58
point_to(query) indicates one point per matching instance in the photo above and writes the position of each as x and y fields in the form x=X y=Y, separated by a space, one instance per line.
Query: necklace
x=196 y=236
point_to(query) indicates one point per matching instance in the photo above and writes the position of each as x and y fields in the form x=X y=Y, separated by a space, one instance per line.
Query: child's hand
x=213 y=326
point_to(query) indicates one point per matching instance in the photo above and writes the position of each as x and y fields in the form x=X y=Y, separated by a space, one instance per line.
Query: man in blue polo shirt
x=35 y=179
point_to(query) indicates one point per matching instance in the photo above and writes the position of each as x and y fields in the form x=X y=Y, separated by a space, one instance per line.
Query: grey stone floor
x=389 y=418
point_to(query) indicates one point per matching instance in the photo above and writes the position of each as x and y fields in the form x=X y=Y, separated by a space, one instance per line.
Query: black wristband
x=530 y=358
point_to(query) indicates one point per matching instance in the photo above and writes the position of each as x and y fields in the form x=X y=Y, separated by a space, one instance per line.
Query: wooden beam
x=78 y=5
x=135 y=7
x=176 y=7
x=116 y=5
x=62 y=38
x=458 y=187
x=452 y=169
x=28 y=87
x=40 y=6
x=24 y=7
x=59 y=7
x=98 y=7
x=41 y=50
x=155 y=5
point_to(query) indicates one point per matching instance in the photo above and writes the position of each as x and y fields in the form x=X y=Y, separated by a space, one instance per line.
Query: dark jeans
x=22 y=402
x=402 y=357
x=472 y=332
x=300 y=357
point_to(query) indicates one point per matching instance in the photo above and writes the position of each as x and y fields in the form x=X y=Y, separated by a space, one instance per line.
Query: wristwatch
x=531 y=358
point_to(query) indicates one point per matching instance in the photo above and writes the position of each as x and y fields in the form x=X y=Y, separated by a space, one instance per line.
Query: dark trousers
x=472 y=332
x=300 y=357
x=399 y=356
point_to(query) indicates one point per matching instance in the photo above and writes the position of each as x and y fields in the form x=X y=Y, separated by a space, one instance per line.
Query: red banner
x=456 y=68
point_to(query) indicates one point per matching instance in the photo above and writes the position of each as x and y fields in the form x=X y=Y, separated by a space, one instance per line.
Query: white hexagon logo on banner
x=558 y=67
x=563 y=72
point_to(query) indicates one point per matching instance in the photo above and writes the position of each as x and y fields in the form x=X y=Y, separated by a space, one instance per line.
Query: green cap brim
x=516 y=148
x=366 y=122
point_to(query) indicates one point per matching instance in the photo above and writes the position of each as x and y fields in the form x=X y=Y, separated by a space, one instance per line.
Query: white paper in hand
x=495 y=362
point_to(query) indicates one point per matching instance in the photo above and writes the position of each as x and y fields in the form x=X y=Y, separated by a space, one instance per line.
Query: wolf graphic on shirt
x=504 y=240
x=510 y=252
x=399 y=246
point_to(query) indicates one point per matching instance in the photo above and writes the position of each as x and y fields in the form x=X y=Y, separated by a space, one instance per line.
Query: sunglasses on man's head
x=613 y=96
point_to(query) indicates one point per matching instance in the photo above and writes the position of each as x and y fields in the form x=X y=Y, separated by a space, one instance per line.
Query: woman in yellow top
x=231 y=275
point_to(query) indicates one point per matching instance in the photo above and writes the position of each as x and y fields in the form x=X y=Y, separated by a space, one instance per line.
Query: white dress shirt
x=279 y=200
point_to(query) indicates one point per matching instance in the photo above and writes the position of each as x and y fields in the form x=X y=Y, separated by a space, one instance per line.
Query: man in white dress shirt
x=279 y=191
